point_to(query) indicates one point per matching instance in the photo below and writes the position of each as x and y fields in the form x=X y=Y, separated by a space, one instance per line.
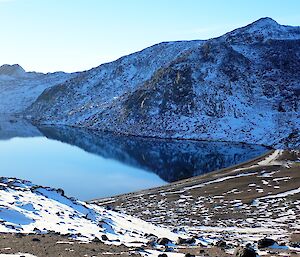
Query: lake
x=89 y=165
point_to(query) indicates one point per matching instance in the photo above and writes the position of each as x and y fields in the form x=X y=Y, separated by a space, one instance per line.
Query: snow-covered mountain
x=243 y=86
x=19 y=89
x=14 y=70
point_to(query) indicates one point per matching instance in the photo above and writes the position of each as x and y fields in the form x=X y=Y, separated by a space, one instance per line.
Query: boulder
x=244 y=252
x=104 y=237
x=181 y=241
x=189 y=255
x=163 y=241
x=265 y=242
x=162 y=255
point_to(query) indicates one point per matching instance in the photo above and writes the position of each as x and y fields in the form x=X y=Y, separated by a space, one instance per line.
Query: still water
x=88 y=165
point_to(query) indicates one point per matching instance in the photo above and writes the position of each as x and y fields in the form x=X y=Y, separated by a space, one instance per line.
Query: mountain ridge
x=242 y=86
x=14 y=70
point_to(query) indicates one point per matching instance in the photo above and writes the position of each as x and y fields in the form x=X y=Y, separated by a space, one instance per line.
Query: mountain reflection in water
x=90 y=165
x=171 y=160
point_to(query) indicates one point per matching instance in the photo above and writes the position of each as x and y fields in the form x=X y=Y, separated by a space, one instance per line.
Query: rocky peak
x=264 y=22
x=262 y=30
x=14 y=70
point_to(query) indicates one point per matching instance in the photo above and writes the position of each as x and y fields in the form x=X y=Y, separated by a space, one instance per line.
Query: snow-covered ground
x=179 y=210
x=27 y=208
x=239 y=205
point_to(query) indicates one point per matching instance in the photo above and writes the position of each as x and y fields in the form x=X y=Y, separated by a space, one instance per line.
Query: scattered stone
x=162 y=255
x=35 y=239
x=96 y=240
x=151 y=241
x=189 y=255
x=265 y=242
x=221 y=244
x=244 y=252
x=104 y=237
x=181 y=241
x=19 y=235
x=61 y=191
x=109 y=207
x=295 y=244
x=163 y=241
x=139 y=249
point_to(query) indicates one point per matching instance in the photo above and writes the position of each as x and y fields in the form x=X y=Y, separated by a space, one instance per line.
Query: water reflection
x=89 y=165
x=172 y=160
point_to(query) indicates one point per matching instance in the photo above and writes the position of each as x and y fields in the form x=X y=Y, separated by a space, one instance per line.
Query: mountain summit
x=266 y=21
x=14 y=70
x=242 y=86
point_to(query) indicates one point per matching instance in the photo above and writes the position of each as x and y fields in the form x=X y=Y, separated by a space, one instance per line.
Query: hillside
x=242 y=86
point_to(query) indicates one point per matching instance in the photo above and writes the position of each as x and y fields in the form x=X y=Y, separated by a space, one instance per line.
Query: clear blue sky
x=73 y=35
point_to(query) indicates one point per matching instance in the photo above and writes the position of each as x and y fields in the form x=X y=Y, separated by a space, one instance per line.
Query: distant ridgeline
x=242 y=87
x=12 y=70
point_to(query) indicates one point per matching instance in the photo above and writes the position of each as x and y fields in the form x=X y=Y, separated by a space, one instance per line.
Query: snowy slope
x=243 y=86
x=19 y=89
x=27 y=208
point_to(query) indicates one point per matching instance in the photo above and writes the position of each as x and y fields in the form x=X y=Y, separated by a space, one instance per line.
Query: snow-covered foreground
x=27 y=208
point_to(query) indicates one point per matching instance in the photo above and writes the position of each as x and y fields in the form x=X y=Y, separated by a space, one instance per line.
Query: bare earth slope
x=242 y=86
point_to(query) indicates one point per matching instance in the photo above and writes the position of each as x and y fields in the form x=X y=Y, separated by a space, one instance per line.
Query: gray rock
x=244 y=252
x=163 y=241
x=265 y=242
